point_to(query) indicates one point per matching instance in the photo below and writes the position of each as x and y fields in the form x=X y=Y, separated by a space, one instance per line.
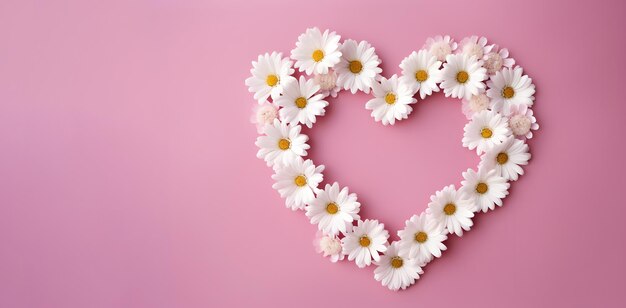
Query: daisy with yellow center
x=281 y=143
x=297 y=181
x=485 y=188
x=316 y=52
x=507 y=158
x=358 y=67
x=301 y=102
x=334 y=209
x=391 y=100
x=365 y=242
x=486 y=129
x=422 y=239
x=463 y=76
x=269 y=74
x=452 y=210
x=510 y=87
x=396 y=271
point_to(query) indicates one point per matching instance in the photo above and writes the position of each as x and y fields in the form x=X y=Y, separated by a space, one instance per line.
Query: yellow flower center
x=356 y=66
x=396 y=262
x=462 y=76
x=421 y=75
x=317 y=55
x=508 y=92
x=502 y=158
x=300 y=180
x=390 y=98
x=364 y=241
x=486 y=132
x=271 y=80
x=421 y=237
x=332 y=208
x=284 y=144
x=301 y=102
x=449 y=209
x=481 y=188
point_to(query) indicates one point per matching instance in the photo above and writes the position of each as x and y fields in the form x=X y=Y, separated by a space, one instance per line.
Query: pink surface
x=128 y=175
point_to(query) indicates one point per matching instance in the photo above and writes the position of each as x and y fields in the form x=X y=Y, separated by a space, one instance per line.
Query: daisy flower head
x=301 y=103
x=396 y=272
x=391 y=100
x=522 y=121
x=475 y=46
x=440 y=46
x=497 y=59
x=366 y=241
x=463 y=76
x=420 y=70
x=281 y=144
x=358 y=67
x=422 y=239
x=297 y=181
x=269 y=74
x=327 y=83
x=262 y=114
x=329 y=246
x=485 y=188
x=475 y=104
x=510 y=87
x=507 y=158
x=452 y=210
x=316 y=52
x=486 y=129
x=333 y=210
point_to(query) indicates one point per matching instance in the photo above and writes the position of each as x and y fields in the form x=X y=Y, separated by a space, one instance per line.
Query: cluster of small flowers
x=500 y=121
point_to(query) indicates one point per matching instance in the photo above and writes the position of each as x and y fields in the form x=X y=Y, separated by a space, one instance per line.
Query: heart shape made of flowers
x=496 y=99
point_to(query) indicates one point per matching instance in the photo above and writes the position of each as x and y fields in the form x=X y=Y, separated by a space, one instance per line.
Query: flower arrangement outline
x=496 y=99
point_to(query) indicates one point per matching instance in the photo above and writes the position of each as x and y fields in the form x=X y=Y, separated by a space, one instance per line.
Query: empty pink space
x=129 y=177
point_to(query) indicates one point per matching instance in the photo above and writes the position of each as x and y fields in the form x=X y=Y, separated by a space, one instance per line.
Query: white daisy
x=509 y=87
x=463 y=76
x=281 y=144
x=333 y=210
x=451 y=209
x=366 y=241
x=522 y=121
x=329 y=246
x=300 y=102
x=269 y=74
x=327 y=83
x=497 y=59
x=486 y=129
x=507 y=158
x=263 y=114
x=358 y=67
x=316 y=52
x=422 y=239
x=297 y=181
x=475 y=46
x=420 y=70
x=485 y=187
x=440 y=46
x=396 y=272
x=391 y=100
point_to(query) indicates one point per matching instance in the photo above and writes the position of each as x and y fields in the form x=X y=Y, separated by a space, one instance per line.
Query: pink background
x=128 y=175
